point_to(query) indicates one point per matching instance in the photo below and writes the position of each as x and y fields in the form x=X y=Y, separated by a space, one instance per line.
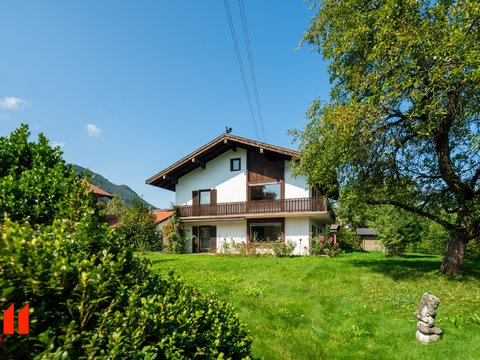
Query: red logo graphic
x=22 y=320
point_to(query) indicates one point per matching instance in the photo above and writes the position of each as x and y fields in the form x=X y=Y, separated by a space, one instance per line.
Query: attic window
x=235 y=164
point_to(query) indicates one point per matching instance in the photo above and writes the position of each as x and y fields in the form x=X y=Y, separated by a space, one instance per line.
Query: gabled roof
x=99 y=192
x=365 y=232
x=168 y=177
x=161 y=215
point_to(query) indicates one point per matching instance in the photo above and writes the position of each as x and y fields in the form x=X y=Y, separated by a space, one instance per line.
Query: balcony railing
x=255 y=207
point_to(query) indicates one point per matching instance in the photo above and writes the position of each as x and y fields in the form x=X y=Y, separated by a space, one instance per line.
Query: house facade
x=235 y=189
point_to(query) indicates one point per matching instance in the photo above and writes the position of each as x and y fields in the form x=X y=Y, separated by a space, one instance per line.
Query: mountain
x=122 y=191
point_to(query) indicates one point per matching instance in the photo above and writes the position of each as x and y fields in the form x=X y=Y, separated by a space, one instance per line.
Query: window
x=265 y=192
x=265 y=231
x=235 y=164
x=205 y=197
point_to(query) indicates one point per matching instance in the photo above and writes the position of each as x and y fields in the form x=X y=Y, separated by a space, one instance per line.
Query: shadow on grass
x=416 y=265
x=161 y=261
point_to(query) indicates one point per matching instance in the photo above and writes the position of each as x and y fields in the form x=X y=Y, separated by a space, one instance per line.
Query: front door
x=204 y=239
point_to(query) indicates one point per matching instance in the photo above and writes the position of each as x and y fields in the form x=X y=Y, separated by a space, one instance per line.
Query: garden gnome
x=426 y=331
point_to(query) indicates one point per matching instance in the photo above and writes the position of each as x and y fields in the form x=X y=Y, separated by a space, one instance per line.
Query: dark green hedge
x=92 y=299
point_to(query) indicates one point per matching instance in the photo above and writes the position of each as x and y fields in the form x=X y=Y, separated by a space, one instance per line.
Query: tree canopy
x=36 y=185
x=402 y=125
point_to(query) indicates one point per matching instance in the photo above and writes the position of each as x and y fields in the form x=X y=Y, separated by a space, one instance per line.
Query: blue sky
x=126 y=88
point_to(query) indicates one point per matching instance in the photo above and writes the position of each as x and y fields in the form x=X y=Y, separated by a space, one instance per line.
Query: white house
x=235 y=189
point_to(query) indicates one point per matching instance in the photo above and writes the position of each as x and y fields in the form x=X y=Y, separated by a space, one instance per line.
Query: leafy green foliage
x=36 y=185
x=174 y=239
x=433 y=238
x=91 y=298
x=116 y=207
x=402 y=126
x=395 y=228
x=137 y=226
x=348 y=239
x=282 y=249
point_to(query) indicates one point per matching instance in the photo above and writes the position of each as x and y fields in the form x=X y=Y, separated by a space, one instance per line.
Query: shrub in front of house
x=321 y=245
x=282 y=249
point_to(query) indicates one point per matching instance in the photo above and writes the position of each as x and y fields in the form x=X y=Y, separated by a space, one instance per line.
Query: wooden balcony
x=298 y=205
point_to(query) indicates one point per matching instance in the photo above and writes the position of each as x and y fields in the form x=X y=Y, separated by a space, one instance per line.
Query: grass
x=357 y=306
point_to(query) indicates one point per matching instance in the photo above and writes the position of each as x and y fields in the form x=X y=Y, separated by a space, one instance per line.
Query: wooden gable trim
x=167 y=178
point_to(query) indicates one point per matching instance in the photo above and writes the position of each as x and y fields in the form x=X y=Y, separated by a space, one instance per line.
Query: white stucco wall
x=231 y=185
x=297 y=231
x=295 y=187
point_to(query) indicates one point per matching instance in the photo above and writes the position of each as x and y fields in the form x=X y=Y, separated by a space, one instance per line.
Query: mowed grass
x=357 y=306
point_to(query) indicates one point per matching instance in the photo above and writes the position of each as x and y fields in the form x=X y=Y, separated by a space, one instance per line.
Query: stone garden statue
x=426 y=330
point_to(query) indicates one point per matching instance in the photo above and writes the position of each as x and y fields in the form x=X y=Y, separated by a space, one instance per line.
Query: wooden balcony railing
x=255 y=207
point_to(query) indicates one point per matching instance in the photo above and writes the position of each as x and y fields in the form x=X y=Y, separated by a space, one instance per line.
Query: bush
x=94 y=299
x=282 y=249
x=138 y=227
x=174 y=239
x=473 y=250
x=320 y=245
x=349 y=240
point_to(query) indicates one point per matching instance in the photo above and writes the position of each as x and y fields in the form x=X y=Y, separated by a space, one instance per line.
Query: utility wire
x=252 y=67
x=240 y=65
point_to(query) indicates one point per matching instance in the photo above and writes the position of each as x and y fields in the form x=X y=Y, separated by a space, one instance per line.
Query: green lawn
x=357 y=306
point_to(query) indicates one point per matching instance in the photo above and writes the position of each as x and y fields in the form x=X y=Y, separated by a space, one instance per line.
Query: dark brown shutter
x=213 y=196
x=195 y=198
x=195 y=240
x=213 y=239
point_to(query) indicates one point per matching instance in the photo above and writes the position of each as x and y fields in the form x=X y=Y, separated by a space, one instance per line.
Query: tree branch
x=474 y=180
x=432 y=217
x=442 y=145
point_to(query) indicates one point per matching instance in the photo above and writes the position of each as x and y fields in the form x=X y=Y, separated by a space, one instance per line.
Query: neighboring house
x=98 y=192
x=369 y=239
x=161 y=216
x=235 y=189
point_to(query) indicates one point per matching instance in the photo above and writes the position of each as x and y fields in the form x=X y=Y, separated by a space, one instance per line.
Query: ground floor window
x=265 y=231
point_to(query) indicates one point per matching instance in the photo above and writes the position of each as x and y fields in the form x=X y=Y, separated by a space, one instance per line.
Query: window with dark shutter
x=195 y=198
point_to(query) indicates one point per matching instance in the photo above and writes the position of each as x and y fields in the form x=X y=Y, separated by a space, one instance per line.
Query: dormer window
x=235 y=164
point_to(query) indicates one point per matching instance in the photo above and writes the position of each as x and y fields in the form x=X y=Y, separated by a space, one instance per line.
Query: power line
x=252 y=67
x=240 y=65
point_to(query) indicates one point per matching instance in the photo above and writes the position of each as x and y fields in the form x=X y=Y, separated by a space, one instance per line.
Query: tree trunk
x=453 y=259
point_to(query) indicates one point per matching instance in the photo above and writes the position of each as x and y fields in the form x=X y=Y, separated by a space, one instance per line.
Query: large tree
x=402 y=124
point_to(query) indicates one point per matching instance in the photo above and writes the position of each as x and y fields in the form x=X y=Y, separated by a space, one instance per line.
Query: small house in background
x=370 y=242
x=161 y=217
x=99 y=193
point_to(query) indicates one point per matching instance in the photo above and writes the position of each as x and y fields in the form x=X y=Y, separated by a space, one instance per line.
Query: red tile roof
x=99 y=192
x=161 y=215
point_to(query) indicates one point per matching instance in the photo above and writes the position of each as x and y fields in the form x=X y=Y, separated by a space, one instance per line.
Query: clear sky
x=126 y=88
